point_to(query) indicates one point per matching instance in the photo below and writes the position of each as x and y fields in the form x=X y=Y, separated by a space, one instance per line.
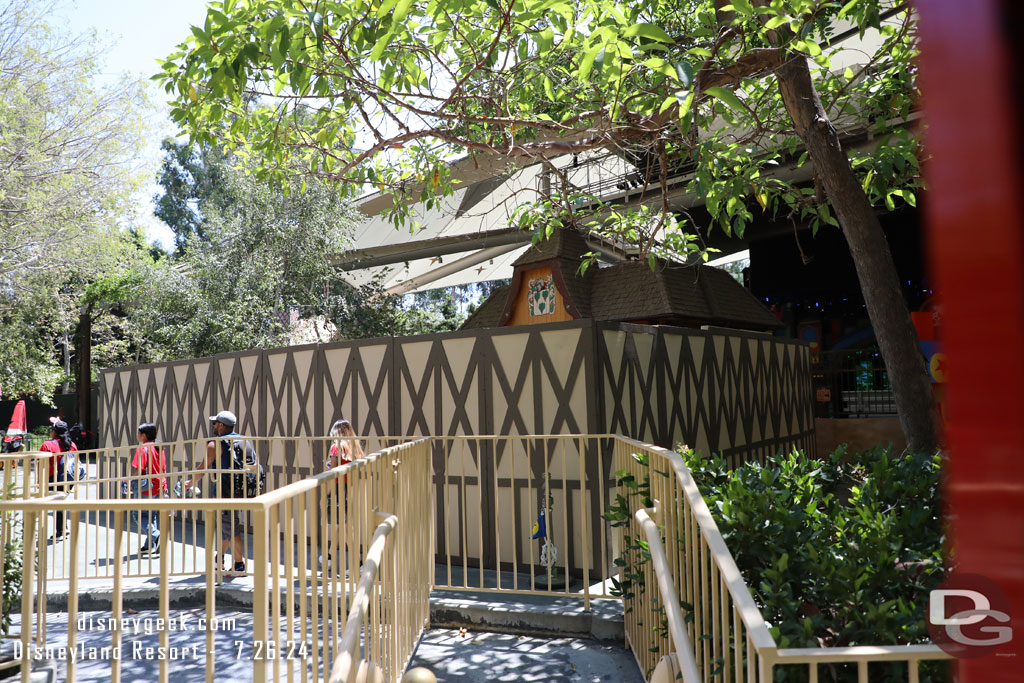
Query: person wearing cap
x=59 y=443
x=223 y=425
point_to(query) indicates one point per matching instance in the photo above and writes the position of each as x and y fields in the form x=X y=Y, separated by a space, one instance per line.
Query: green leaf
x=401 y=10
x=385 y=7
x=649 y=31
x=280 y=81
x=848 y=7
x=685 y=72
x=587 y=63
x=727 y=97
x=742 y=6
x=684 y=104
x=381 y=45
x=545 y=39
x=775 y=22
x=316 y=22
x=661 y=66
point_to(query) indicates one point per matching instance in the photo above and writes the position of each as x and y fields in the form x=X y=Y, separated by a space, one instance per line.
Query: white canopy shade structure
x=469 y=236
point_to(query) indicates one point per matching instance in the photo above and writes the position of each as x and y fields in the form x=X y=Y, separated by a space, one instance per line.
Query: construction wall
x=743 y=394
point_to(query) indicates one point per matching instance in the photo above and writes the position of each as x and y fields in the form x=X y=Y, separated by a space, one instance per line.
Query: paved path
x=140 y=656
x=486 y=657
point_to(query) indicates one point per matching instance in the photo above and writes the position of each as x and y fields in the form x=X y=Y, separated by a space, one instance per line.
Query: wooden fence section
x=745 y=395
x=742 y=394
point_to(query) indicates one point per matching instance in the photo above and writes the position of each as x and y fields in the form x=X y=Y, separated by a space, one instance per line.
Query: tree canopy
x=384 y=93
x=67 y=172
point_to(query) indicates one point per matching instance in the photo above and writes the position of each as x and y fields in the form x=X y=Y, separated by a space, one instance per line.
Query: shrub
x=839 y=551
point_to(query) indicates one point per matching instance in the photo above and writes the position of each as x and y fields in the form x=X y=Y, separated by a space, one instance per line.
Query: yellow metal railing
x=299 y=610
x=490 y=492
x=727 y=635
x=334 y=590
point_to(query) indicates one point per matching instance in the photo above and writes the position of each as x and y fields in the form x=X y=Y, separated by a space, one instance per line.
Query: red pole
x=975 y=237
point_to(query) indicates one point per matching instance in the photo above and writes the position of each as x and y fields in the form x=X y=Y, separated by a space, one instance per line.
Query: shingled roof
x=632 y=291
x=490 y=311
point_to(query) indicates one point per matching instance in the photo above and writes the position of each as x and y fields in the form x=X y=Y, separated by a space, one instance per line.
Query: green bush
x=840 y=551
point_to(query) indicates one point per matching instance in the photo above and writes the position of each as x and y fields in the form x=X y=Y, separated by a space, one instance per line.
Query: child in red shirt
x=148 y=460
x=59 y=444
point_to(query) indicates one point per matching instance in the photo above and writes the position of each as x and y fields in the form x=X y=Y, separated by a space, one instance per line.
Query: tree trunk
x=870 y=251
x=83 y=354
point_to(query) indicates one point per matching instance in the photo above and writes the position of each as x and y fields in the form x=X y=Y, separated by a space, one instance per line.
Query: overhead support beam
x=447 y=269
x=391 y=254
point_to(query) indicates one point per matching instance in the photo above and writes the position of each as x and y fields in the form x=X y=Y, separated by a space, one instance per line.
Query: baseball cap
x=225 y=417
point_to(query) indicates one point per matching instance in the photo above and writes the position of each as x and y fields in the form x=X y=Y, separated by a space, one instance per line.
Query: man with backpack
x=227 y=453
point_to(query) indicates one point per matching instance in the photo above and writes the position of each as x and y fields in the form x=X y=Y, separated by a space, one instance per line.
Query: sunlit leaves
x=405 y=86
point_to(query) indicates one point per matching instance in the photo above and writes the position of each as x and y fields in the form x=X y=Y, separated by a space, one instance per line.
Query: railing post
x=210 y=530
x=259 y=602
x=28 y=575
x=73 y=598
x=165 y=576
x=117 y=607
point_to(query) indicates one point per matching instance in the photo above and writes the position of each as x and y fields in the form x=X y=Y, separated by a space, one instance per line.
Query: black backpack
x=254 y=480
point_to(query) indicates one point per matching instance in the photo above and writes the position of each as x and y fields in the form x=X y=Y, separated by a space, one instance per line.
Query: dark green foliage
x=191 y=178
x=840 y=551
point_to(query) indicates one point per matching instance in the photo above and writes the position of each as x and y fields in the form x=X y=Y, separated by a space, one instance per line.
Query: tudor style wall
x=746 y=395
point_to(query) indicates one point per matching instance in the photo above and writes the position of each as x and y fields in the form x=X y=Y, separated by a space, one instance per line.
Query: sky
x=137 y=34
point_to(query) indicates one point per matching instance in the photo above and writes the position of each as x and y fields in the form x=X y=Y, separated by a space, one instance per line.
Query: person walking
x=62 y=468
x=220 y=455
x=343 y=450
x=148 y=460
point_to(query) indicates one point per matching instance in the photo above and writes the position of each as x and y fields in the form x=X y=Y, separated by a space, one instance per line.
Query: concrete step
x=533 y=615
x=538 y=615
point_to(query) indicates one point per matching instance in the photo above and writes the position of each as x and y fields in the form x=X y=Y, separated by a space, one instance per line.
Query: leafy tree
x=67 y=150
x=255 y=259
x=384 y=92
x=191 y=177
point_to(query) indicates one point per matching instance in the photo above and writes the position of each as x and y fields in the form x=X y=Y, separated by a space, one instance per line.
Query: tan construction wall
x=858 y=433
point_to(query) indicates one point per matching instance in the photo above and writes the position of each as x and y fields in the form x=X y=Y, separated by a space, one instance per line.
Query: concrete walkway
x=457 y=657
x=511 y=637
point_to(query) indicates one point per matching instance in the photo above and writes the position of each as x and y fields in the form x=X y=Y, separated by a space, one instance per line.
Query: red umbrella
x=18 y=424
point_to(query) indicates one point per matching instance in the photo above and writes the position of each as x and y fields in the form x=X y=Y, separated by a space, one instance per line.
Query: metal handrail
x=763 y=654
x=748 y=609
x=685 y=661
x=346 y=663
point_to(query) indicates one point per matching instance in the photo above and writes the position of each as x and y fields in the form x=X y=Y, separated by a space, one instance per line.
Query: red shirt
x=150 y=460
x=344 y=458
x=53 y=446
